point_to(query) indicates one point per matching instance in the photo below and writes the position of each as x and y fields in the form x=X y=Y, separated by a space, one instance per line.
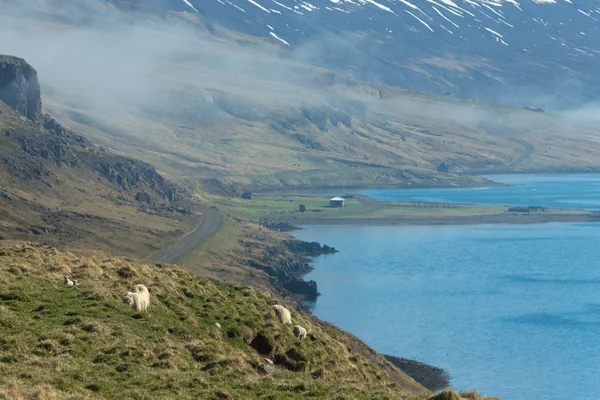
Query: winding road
x=529 y=149
x=211 y=222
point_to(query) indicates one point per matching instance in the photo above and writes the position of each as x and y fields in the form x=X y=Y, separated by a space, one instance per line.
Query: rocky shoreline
x=288 y=263
x=431 y=377
x=290 y=273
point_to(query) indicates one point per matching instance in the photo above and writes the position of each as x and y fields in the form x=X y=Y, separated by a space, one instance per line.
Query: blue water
x=512 y=311
x=580 y=191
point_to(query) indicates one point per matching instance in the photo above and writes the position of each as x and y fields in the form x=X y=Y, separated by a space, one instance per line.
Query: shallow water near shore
x=512 y=311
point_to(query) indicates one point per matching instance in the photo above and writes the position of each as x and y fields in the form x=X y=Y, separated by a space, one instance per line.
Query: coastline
x=483 y=174
x=495 y=219
x=432 y=377
x=309 y=190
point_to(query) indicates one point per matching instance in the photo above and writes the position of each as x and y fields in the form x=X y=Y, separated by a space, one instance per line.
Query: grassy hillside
x=83 y=342
x=242 y=137
x=58 y=188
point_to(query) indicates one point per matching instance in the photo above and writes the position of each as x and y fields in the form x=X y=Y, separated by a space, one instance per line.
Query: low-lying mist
x=92 y=56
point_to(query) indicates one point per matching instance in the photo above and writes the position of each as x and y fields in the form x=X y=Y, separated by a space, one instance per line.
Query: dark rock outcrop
x=63 y=147
x=443 y=167
x=287 y=264
x=308 y=142
x=308 y=248
x=433 y=378
x=446 y=395
x=144 y=197
x=278 y=225
x=299 y=286
x=19 y=86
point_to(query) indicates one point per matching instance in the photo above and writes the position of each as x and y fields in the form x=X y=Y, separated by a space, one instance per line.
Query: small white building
x=337 y=202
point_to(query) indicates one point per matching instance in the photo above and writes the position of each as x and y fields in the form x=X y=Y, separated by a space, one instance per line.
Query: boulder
x=267 y=369
x=144 y=197
x=19 y=86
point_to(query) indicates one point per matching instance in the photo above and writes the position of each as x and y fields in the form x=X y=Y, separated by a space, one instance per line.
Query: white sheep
x=70 y=282
x=138 y=298
x=283 y=314
x=300 y=332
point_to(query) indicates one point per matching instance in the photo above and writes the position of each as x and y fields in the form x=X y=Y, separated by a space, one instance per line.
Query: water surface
x=581 y=191
x=512 y=311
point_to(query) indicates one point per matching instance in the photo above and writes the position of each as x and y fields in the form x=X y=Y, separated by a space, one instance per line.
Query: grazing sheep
x=138 y=298
x=300 y=332
x=218 y=325
x=70 y=282
x=283 y=314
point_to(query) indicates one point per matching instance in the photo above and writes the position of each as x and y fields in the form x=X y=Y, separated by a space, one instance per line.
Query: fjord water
x=512 y=311
x=580 y=191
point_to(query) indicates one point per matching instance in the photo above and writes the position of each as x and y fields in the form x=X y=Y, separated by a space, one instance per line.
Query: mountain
x=224 y=111
x=520 y=53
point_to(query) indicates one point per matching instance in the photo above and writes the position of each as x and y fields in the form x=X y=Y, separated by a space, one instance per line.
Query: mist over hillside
x=518 y=53
x=200 y=101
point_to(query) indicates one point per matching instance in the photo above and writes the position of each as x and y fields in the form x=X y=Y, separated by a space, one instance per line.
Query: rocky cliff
x=59 y=188
x=19 y=86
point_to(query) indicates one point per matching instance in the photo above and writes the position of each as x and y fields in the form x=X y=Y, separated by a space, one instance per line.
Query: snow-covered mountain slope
x=542 y=52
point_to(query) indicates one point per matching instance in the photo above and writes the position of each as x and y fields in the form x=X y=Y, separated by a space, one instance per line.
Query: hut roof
x=337 y=198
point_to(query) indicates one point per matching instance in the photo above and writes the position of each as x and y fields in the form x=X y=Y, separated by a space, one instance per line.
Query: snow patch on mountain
x=278 y=38
x=259 y=6
x=190 y=4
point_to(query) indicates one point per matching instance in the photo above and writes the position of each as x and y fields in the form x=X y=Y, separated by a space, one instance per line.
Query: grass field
x=264 y=205
x=82 y=342
x=359 y=207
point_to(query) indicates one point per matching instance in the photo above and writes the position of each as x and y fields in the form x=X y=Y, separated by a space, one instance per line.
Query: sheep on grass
x=283 y=314
x=300 y=332
x=138 y=298
x=70 y=282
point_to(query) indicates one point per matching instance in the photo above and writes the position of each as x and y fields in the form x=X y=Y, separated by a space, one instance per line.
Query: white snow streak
x=411 y=5
x=259 y=6
x=278 y=38
x=446 y=18
x=446 y=29
x=281 y=5
x=506 y=23
x=380 y=6
x=236 y=6
x=513 y=2
x=420 y=20
x=190 y=4
x=494 y=32
x=457 y=13
x=492 y=10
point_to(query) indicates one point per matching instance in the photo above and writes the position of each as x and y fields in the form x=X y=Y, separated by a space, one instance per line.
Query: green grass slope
x=83 y=342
